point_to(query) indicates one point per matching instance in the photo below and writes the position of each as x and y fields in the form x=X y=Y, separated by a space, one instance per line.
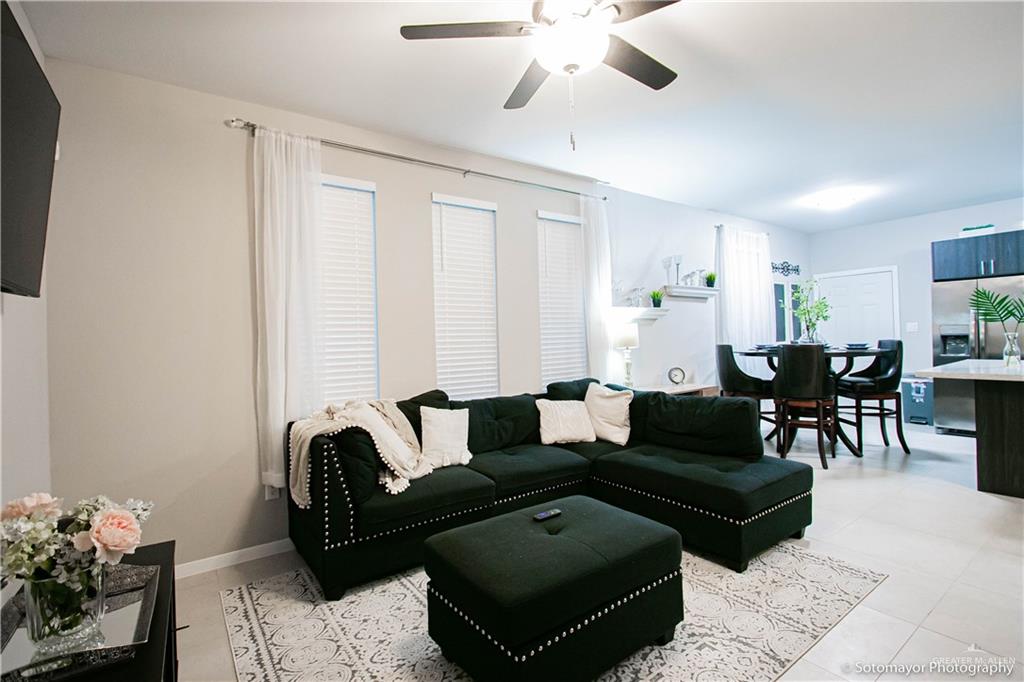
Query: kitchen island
x=999 y=411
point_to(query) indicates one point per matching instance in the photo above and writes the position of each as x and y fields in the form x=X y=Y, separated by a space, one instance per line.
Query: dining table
x=848 y=355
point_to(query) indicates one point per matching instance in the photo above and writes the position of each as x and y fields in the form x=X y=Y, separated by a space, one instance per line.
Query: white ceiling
x=773 y=100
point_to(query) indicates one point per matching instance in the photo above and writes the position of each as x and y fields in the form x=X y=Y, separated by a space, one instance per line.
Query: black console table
x=157 y=659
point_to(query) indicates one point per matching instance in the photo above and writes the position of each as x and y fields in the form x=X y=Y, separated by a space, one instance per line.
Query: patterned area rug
x=749 y=626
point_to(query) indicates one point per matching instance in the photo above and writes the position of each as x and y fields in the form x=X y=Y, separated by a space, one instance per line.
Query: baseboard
x=231 y=558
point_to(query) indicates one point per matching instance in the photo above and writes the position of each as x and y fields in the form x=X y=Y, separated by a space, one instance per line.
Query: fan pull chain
x=572 y=112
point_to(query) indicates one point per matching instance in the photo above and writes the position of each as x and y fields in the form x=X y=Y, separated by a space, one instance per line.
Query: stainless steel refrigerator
x=957 y=334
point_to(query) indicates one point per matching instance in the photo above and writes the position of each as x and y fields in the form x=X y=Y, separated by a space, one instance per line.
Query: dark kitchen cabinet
x=992 y=255
x=1005 y=252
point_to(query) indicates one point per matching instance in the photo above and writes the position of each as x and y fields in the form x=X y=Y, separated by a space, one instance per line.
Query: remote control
x=545 y=515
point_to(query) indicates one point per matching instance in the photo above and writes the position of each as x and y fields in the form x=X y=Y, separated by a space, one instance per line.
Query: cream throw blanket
x=391 y=433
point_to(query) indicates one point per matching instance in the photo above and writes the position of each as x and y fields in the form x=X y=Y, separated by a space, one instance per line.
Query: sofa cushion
x=520 y=579
x=360 y=463
x=716 y=426
x=496 y=423
x=526 y=467
x=436 y=398
x=569 y=390
x=448 y=490
x=445 y=437
x=592 y=450
x=609 y=412
x=637 y=412
x=565 y=421
x=729 y=486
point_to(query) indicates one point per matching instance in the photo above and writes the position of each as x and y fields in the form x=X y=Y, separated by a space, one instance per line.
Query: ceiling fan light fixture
x=572 y=45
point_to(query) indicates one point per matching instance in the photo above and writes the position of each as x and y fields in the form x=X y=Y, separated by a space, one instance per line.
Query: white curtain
x=597 y=284
x=746 y=313
x=286 y=182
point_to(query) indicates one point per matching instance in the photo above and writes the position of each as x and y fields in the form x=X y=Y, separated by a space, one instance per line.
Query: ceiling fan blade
x=538 y=11
x=631 y=9
x=528 y=85
x=483 y=29
x=637 y=65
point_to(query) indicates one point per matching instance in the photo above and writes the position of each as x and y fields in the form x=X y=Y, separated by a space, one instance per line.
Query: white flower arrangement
x=62 y=556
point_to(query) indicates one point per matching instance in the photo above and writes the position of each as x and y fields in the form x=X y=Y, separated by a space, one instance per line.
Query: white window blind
x=465 y=299
x=348 y=291
x=563 y=323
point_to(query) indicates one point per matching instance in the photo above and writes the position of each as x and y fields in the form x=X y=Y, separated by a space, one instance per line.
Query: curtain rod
x=464 y=172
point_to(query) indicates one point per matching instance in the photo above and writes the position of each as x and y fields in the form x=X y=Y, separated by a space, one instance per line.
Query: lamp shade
x=628 y=336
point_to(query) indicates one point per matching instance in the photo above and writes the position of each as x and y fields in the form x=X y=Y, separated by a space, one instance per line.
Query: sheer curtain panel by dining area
x=746 y=312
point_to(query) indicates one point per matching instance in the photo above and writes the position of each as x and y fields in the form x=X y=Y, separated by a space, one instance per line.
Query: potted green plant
x=709 y=279
x=811 y=309
x=656 y=297
x=1001 y=308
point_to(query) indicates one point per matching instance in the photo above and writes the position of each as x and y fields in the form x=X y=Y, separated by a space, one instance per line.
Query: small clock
x=676 y=375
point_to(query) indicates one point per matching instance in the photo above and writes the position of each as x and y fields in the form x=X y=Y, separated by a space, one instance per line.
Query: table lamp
x=626 y=340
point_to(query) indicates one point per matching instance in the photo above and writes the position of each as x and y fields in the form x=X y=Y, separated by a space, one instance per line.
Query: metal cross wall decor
x=785 y=268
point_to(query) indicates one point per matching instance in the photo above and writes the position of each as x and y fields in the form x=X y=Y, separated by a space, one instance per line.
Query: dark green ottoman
x=511 y=598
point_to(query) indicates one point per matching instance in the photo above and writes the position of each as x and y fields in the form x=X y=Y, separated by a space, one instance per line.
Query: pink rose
x=113 y=532
x=41 y=503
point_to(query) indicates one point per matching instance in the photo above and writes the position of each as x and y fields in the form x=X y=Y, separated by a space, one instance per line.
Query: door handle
x=981 y=266
x=991 y=266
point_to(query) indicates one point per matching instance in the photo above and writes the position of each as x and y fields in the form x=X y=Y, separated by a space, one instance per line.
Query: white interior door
x=864 y=305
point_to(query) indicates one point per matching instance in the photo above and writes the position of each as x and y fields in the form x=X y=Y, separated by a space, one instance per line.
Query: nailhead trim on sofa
x=512 y=498
x=589 y=620
x=738 y=522
x=352 y=539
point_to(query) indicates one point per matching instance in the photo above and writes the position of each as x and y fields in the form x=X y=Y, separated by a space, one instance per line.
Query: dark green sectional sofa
x=696 y=464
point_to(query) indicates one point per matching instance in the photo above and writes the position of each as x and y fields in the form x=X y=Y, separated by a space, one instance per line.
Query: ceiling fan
x=571 y=37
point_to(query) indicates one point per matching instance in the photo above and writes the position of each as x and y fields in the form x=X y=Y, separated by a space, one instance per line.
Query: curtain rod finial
x=235 y=123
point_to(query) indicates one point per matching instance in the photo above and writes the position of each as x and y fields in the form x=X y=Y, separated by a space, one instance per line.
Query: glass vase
x=1011 y=351
x=61 y=615
x=810 y=335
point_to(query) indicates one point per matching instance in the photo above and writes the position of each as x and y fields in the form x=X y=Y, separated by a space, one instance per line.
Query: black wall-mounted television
x=29 y=118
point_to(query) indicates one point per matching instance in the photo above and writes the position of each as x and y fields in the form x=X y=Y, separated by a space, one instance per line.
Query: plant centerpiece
x=993 y=307
x=61 y=557
x=709 y=279
x=656 y=297
x=811 y=309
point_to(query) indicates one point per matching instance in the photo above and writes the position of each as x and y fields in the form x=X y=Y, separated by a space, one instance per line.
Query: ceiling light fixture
x=574 y=43
x=838 y=198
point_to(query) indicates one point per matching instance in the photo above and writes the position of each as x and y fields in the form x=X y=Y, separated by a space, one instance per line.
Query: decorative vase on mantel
x=61 y=614
x=1011 y=351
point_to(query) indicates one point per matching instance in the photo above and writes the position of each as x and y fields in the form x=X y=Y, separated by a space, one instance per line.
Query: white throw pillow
x=445 y=436
x=564 y=421
x=609 y=412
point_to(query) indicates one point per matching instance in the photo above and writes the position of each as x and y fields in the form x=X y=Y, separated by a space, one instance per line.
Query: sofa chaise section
x=703 y=472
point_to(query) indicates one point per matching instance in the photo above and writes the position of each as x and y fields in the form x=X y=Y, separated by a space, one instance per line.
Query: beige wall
x=25 y=441
x=150 y=295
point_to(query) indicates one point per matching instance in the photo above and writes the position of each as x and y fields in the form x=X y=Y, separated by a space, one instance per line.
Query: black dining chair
x=805 y=396
x=733 y=381
x=879 y=381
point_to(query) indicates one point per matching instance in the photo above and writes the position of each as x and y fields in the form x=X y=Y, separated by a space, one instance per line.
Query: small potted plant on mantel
x=656 y=297
x=709 y=280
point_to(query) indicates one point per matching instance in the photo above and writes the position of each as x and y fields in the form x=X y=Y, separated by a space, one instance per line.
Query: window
x=348 y=291
x=465 y=297
x=787 y=324
x=563 y=322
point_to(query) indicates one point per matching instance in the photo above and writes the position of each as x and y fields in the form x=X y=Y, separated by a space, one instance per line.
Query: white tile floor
x=955 y=559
